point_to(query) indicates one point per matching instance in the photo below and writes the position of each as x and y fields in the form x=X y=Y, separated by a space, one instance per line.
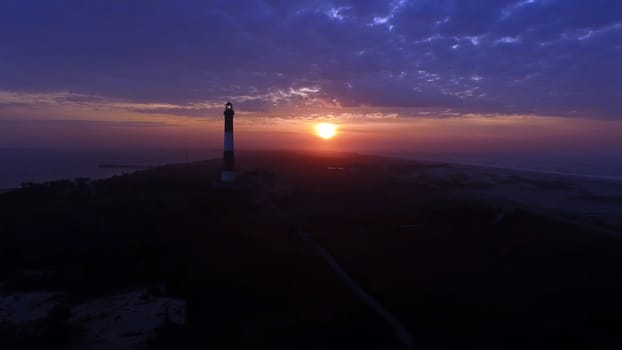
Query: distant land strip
x=124 y=166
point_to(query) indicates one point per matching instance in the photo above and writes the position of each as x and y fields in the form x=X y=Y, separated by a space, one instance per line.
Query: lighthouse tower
x=228 y=168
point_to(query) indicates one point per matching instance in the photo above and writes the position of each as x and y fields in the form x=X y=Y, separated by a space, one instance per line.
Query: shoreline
x=524 y=170
x=509 y=168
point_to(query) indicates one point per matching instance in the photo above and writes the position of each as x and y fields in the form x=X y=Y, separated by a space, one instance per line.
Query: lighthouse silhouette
x=228 y=167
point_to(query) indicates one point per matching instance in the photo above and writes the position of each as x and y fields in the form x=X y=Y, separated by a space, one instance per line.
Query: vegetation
x=450 y=271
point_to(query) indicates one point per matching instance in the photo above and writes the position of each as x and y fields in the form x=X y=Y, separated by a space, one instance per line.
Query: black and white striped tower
x=228 y=168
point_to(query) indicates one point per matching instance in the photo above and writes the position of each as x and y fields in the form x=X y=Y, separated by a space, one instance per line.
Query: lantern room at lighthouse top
x=229 y=109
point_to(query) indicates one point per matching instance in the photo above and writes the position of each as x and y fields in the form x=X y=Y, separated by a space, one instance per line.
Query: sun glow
x=326 y=130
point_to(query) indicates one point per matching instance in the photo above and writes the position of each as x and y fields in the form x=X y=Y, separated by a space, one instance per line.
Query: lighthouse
x=228 y=168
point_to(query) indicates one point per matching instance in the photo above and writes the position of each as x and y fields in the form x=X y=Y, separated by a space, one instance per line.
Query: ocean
x=20 y=165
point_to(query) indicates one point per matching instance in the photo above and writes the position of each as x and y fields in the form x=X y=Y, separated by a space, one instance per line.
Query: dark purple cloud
x=505 y=56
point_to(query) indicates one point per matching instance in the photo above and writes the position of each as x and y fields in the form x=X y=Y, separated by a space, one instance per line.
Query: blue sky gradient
x=537 y=57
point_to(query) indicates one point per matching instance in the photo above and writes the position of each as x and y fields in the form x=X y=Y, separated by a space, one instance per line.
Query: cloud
x=529 y=56
x=68 y=99
x=85 y=123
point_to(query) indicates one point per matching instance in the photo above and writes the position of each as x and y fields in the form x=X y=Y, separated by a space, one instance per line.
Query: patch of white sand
x=123 y=321
x=120 y=321
x=26 y=307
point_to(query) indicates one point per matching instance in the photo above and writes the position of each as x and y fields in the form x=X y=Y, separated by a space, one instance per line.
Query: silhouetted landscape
x=310 y=174
x=449 y=251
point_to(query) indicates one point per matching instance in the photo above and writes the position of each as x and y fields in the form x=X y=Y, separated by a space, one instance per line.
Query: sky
x=504 y=76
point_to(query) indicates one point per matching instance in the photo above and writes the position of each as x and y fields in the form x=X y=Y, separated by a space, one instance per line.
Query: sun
x=326 y=130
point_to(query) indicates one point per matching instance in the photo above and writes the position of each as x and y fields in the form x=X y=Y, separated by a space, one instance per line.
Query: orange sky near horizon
x=359 y=130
